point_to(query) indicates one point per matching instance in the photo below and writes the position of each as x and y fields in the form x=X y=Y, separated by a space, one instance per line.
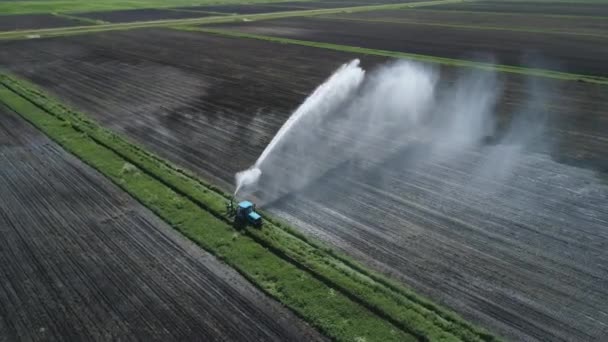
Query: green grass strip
x=330 y=311
x=64 y=31
x=80 y=19
x=469 y=27
x=411 y=56
x=392 y=302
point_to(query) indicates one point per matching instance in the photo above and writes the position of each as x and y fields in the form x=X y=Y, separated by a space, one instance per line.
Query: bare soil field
x=35 y=21
x=245 y=9
x=548 y=51
x=556 y=8
x=324 y=4
x=481 y=19
x=524 y=259
x=339 y=3
x=140 y=15
x=288 y=6
x=187 y=93
x=81 y=260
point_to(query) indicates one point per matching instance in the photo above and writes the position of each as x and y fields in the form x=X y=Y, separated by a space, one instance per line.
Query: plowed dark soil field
x=289 y=6
x=245 y=9
x=549 y=51
x=184 y=95
x=513 y=21
x=140 y=15
x=323 y=4
x=541 y=7
x=80 y=260
x=35 y=21
x=525 y=258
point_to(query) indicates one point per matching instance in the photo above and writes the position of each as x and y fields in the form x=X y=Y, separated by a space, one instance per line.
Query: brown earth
x=35 y=21
x=140 y=15
x=584 y=55
x=81 y=260
x=524 y=257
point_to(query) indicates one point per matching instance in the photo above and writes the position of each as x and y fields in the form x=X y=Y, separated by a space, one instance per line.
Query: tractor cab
x=245 y=213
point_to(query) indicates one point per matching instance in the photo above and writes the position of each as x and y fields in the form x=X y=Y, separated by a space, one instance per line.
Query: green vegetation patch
x=403 y=314
x=411 y=56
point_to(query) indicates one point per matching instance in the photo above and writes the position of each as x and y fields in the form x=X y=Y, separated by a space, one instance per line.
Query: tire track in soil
x=532 y=263
x=81 y=260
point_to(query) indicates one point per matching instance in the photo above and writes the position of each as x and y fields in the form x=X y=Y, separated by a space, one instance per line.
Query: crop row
x=415 y=316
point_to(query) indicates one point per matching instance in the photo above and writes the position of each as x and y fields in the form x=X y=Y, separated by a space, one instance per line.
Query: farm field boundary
x=39 y=33
x=472 y=27
x=361 y=303
x=411 y=56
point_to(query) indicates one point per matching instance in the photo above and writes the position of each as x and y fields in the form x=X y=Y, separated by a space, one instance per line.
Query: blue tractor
x=246 y=214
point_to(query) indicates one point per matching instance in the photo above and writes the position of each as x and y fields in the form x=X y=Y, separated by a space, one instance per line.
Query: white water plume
x=321 y=102
x=360 y=120
x=247 y=177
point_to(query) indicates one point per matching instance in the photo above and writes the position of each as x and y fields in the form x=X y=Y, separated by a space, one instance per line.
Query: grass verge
x=403 y=314
x=411 y=56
